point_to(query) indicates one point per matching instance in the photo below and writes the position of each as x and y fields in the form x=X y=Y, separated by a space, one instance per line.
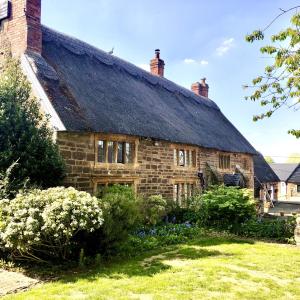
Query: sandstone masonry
x=153 y=170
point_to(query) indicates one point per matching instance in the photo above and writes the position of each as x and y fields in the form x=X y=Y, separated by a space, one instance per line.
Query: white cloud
x=225 y=47
x=146 y=67
x=193 y=61
x=189 y=61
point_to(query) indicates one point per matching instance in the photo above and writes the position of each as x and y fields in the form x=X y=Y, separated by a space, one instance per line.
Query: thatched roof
x=94 y=91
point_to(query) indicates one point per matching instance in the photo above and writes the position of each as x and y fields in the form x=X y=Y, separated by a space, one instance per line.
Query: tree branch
x=277 y=17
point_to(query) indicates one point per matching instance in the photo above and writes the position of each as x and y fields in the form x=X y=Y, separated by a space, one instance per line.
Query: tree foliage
x=269 y=159
x=279 y=85
x=25 y=135
x=294 y=158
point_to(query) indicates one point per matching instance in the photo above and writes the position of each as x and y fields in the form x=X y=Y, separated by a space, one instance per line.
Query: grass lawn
x=207 y=268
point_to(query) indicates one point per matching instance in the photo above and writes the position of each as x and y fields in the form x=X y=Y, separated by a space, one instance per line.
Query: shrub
x=279 y=229
x=190 y=213
x=226 y=207
x=25 y=134
x=121 y=216
x=42 y=224
x=153 y=209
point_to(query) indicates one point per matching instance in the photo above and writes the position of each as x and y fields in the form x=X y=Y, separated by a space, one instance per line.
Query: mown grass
x=206 y=268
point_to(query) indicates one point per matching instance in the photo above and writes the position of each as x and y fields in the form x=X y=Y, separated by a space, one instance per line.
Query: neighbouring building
x=265 y=180
x=116 y=123
x=289 y=185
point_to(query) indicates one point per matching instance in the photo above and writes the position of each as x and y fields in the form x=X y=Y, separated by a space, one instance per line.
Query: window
x=181 y=158
x=224 y=161
x=101 y=151
x=115 y=152
x=183 y=191
x=110 y=152
x=184 y=158
x=245 y=164
x=121 y=156
x=298 y=188
x=128 y=153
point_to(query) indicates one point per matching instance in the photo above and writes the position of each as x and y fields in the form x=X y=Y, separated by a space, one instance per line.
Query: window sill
x=185 y=168
x=115 y=166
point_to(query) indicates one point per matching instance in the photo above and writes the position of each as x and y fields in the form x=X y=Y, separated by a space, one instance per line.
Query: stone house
x=116 y=123
x=289 y=181
x=265 y=180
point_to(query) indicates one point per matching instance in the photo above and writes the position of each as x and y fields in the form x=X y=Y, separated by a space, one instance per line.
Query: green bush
x=191 y=213
x=226 y=207
x=121 y=216
x=25 y=134
x=42 y=225
x=153 y=209
x=278 y=229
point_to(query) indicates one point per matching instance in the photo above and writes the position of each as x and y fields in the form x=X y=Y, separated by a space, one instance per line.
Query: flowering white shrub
x=42 y=224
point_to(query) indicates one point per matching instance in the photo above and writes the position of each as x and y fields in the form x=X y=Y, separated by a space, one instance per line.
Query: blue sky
x=197 y=39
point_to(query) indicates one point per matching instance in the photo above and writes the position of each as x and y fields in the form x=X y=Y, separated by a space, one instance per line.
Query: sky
x=197 y=38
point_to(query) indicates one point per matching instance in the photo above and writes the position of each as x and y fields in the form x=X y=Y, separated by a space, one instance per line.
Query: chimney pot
x=157 y=53
x=201 y=88
x=157 y=65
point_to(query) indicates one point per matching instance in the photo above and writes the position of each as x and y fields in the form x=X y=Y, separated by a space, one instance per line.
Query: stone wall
x=153 y=170
x=292 y=193
x=288 y=192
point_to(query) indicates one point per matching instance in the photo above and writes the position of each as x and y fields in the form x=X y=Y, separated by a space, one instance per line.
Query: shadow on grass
x=154 y=262
x=146 y=264
x=215 y=241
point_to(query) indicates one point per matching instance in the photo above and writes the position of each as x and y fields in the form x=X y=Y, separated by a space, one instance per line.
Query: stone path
x=11 y=282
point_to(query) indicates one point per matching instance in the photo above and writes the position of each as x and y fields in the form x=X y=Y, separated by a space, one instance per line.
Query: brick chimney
x=21 y=31
x=157 y=65
x=201 y=88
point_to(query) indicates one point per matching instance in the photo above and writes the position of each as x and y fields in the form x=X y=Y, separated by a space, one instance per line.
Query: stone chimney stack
x=157 y=65
x=201 y=88
x=20 y=27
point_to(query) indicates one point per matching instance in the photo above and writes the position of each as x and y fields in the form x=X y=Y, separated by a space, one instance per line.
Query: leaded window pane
x=121 y=155
x=181 y=158
x=128 y=153
x=110 y=152
x=101 y=151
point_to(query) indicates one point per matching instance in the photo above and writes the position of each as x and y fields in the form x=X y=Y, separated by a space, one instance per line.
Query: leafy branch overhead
x=279 y=85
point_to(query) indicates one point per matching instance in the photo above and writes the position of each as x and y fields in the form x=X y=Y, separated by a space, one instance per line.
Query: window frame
x=224 y=161
x=189 y=157
x=182 y=190
x=116 y=140
x=246 y=165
